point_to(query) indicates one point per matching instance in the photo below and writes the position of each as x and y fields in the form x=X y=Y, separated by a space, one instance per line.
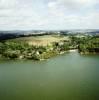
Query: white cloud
x=73 y=5
x=7 y=4
x=54 y=14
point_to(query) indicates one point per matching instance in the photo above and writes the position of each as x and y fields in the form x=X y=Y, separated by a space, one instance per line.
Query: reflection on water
x=66 y=77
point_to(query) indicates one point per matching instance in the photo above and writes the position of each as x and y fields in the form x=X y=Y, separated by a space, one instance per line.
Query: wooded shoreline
x=53 y=45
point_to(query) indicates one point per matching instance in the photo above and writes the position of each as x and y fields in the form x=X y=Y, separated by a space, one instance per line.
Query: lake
x=70 y=76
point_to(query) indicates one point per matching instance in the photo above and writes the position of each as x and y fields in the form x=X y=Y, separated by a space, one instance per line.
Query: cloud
x=73 y=6
x=7 y=4
x=48 y=14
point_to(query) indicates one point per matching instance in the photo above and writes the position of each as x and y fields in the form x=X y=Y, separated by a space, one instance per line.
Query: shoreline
x=43 y=59
x=45 y=47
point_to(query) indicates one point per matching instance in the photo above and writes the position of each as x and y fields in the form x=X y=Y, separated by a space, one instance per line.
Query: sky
x=49 y=14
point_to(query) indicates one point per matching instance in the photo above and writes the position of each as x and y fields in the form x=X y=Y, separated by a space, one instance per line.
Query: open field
x=41 y=40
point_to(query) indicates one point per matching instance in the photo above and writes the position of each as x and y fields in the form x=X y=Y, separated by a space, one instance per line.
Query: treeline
x=89 y=45
x=10 y=49
x=7 y=36
x=22 y=50
x=86 y=44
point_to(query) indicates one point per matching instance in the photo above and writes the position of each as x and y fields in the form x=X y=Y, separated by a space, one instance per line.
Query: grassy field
x=41 y=40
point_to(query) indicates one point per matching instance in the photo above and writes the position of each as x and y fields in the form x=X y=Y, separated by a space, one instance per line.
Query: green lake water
x=70 y=76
